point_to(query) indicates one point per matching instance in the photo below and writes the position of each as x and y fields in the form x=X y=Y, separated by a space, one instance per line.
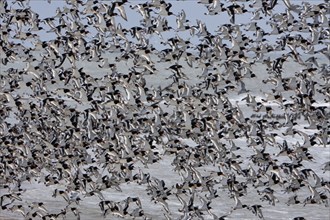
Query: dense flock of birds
x=84 y=135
